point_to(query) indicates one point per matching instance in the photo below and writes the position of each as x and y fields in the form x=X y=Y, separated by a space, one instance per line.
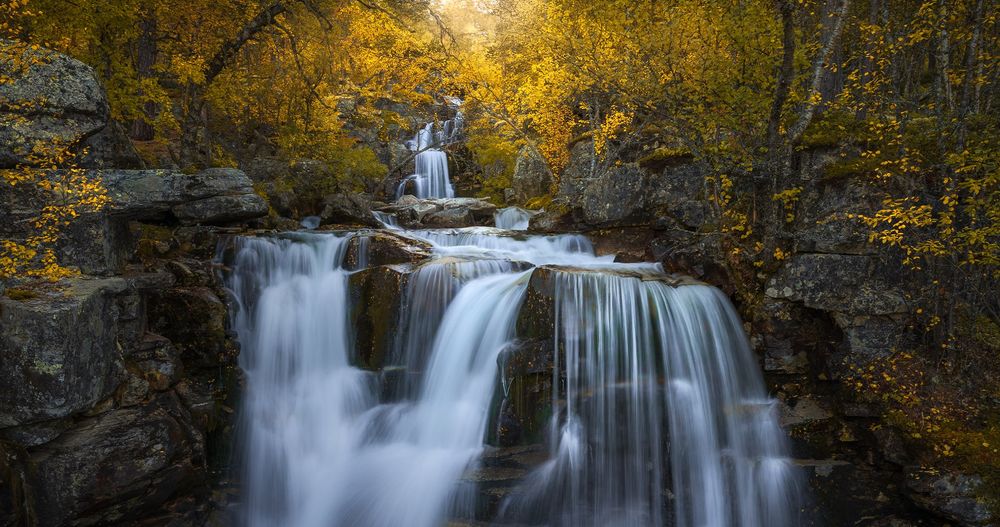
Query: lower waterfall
x=659 y=415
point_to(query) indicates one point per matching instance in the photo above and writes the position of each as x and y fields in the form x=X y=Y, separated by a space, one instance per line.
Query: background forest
x=905 y=93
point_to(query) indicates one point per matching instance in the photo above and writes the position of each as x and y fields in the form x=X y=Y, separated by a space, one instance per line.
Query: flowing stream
x=658 y=414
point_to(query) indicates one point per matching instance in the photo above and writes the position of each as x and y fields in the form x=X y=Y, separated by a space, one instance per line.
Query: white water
x=660 y=412
x=430 y=178
x=512 y=218
x=655 y=377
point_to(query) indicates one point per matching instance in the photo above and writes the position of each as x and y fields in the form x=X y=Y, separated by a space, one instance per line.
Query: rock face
x=215 y=195
x=531 y=178
x=59 y=351
x=58 y=100
x=100 y=244
x=119 y=466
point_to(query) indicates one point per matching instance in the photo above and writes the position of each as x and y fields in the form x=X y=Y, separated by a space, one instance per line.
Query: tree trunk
x=145 y=57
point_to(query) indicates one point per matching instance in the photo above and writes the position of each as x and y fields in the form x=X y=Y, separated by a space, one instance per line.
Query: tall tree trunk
x=195 y=147
x=819 y=71
x=785 y=75
x=145 y=57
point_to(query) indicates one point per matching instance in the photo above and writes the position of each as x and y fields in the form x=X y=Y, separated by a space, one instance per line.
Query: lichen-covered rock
x=215 y=195
x=950 y=494
x=531 y=177
x=449 y=218
x=60 y=351
x=618 y=195
x=110 y=148
x=57 y=101
x=837 y=282
x=116 y=467
x=221 y=209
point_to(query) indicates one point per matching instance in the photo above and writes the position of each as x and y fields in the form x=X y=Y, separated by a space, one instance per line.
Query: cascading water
x=659 y=413
x=430 y=179
x=656 y=374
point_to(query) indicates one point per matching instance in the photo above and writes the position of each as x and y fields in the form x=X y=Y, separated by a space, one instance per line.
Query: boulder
x=951 y=495
x=353 y=209
x=531 y=177
x=58 y=100
x=618 y=195
x=60 y=351
x=457 y=217
x=442 y=212
x=117 y=467
x=215 y=195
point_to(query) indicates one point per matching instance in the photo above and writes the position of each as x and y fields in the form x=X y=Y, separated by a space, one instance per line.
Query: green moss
x=20 y=294
x=664 y=155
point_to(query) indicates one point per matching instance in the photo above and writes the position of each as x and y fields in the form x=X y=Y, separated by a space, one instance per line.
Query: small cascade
x=512 y=218
x=659 y=415
x=656 y=376
x=431 y=180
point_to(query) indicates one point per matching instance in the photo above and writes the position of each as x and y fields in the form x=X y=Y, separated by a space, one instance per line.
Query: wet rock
x=59 y=350
x=116 y=467
x=376 y=299
x=375 y=248
x=352 y=209
x=526 y=367
x=58 y=100
x=950 y=495
x=531 y=177
x=193 y=319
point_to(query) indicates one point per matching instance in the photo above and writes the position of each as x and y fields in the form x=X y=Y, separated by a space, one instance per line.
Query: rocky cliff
x=114 y=407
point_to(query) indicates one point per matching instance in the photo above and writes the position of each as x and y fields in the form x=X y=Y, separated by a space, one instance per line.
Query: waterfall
x=430 y=179
x=656 y=373
x=659 y=412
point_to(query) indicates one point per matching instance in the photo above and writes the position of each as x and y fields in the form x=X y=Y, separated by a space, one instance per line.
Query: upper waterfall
x=430 y=178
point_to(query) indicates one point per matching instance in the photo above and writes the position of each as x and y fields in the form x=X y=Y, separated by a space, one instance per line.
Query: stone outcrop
x=115 y=382
x=413 y=212
x=58 y=100
x=531 y=177
x=59 y=351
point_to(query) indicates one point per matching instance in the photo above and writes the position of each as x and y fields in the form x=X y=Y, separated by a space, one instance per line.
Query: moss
x=20 y=294
x=848 y=168
x=664 y=156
